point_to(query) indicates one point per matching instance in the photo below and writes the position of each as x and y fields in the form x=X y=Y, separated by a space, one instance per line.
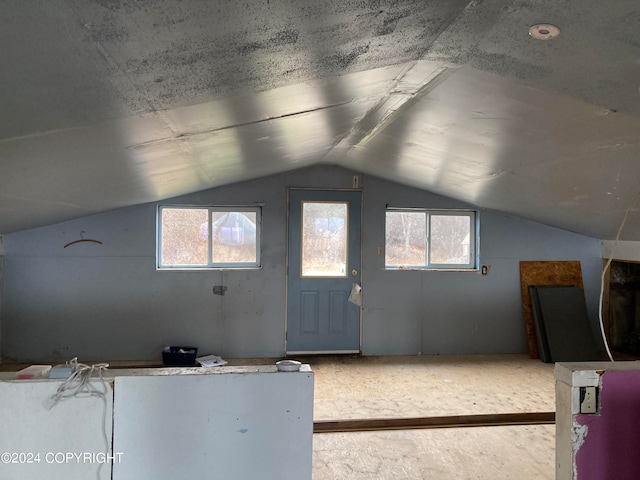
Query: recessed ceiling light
x=544 y=31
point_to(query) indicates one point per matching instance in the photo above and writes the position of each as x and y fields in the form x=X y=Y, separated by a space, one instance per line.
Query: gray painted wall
x=109 y=302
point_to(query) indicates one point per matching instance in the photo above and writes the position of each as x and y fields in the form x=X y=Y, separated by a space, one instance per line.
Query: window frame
x=474 y=240
x=211 y=265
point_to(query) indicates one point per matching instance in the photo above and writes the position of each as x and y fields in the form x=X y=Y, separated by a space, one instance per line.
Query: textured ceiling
x=114 y=103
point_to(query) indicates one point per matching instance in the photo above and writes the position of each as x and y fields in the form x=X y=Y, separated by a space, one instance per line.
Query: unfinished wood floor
x=418 y=386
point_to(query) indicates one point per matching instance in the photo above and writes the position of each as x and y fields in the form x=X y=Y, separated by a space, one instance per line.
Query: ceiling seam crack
x=399 y=98
x=187 y=135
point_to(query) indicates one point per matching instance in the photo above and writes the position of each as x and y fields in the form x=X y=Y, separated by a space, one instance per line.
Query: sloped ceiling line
x=413 y=83
x=405 y=100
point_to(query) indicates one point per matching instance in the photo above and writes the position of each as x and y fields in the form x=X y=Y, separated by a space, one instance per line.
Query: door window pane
x=324 y=239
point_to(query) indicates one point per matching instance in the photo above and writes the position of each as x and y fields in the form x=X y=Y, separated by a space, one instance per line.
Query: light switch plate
x=588 y=400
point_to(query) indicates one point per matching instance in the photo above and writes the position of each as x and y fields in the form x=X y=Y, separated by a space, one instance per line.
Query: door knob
x=354 y=272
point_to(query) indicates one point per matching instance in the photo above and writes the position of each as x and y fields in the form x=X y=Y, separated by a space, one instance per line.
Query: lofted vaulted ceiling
x=108 y=104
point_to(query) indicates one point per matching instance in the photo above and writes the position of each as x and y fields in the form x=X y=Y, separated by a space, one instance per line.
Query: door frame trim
x=286 y=276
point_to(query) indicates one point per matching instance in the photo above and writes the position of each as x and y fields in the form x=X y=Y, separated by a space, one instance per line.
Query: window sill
x=416 y=269
x=204 y=269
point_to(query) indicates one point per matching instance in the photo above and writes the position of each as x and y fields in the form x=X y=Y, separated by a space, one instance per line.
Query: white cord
x=601 y=321
x=604 y=273
x=79 y=385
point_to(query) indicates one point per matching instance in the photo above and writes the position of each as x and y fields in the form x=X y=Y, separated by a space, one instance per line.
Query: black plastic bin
x=179 y=356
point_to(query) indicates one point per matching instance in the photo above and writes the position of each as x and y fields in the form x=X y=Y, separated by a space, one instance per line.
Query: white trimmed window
x=200 y=237
x=431 y=239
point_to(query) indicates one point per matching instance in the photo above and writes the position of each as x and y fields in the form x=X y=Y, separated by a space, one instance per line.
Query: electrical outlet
x=588 y=400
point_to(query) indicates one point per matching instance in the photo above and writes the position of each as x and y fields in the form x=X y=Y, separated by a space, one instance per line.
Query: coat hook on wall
x=82 y=239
